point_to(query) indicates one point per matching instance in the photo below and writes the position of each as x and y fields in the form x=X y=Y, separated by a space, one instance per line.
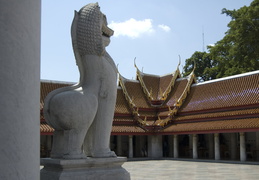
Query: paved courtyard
x=174 y=170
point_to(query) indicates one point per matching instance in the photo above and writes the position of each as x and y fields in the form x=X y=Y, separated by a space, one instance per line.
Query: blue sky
x=156 y=32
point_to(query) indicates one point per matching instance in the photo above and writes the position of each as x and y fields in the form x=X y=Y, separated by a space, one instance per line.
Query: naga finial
x=179 y=63
x=135 y=65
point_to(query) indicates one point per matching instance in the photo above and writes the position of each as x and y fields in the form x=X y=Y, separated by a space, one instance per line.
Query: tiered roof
x=172 y=104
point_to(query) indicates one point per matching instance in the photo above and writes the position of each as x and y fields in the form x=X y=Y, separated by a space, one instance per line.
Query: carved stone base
x=84 y=169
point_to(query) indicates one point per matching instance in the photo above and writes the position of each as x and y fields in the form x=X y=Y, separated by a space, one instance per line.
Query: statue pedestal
x=84 y=169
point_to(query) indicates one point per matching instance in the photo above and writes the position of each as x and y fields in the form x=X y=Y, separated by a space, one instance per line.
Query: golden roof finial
x=179 y=62
x=135 y=63
x=117 y=68
x=194 y=67
x=139 y=77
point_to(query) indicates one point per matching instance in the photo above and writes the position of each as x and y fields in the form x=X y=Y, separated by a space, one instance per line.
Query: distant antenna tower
x=203 y=39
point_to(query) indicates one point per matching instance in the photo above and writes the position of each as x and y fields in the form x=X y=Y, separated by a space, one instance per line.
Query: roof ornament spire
x=176 y=74
x=118 y=74
x=179 y=63
x=194 y=67
x=178 y=70
x=135 y=63
x=139 y=77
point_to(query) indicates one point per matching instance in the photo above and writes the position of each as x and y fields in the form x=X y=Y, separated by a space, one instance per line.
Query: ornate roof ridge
x=143 y=85
x=227 y=78
x=167 y=91
x=179 y=102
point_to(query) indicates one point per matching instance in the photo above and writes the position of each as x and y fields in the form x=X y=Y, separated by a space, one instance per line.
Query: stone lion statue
x=82 y=114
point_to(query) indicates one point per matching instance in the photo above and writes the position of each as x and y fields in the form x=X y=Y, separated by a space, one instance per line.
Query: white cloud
x=164 y=27
x=211 y=45
x=132 y=28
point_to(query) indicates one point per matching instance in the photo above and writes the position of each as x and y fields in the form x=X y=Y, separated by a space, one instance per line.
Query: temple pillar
x=257 y=145
x=130 y=146
x=211 y=146
x=190 y=141
x=20 y=89
x=119 y=150
x=139 y=146
x=171 y=145
x=217 y=146
x=155 y=149
x=242 y=147
x=176 y=154
x=233 y=144
x=143 y=147
x=190 y=146
x=194 y=146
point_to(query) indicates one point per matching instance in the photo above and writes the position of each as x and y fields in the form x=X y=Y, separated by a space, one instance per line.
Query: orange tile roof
x=148 y=113
x=176 y=92
x=135 y=92
x=152 y=84
x=211 y=100
x=127 y=129
x=121 y=103
x=214 y=125
x=231 y=92
x=123 y=119
x=165 y=82
x=164 y=113
x=157 y=85
x=217 y=114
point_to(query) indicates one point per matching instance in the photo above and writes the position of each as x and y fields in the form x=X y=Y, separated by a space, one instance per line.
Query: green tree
x=238 y=51
x=206 y=68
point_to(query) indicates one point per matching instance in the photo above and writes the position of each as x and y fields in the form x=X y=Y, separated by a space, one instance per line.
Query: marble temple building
x=174 y=116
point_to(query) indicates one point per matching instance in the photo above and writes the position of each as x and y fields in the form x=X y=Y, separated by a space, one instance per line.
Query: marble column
x=176 y=154
x=242 y=147
x=20 y=89
x=139 y=146
x=190 y=146
x=155 y=149
x=190 y=141
x=119 y=149
x=211 y=146
x=130 y=146
x=233 y=146
x=194 y=146
x=171 y=145
x=217 y=146
x=142 y=146
x=257 y=145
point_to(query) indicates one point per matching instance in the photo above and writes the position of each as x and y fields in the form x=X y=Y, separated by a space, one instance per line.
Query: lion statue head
x=90 y=33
